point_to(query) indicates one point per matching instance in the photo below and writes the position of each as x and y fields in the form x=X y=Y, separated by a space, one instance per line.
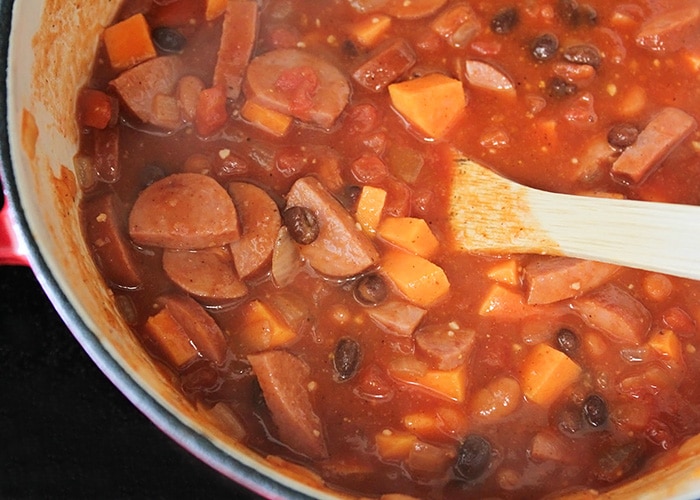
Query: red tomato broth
x=651 y=400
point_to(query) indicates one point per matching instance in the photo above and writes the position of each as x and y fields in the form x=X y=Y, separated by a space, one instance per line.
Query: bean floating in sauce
x=544 y=47
x=346 y=358
x=583 y=54
x=504 y=21
x=567 y=342
x=595 y=410
x=168 y=40
x=302 y=224
x=371 y=289
x=473 y=457
x=622 y=135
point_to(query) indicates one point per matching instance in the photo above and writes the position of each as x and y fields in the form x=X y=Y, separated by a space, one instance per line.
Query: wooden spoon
x=492 y=215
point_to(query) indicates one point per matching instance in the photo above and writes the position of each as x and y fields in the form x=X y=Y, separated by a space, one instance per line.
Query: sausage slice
x=183 y=332
x=284 y=380
x=260 y=222
x=237 y=40
x=184 y=211
x=298 y=84
x=104 y=227
x=139 y=86
x=208 y=273
x=341 y=249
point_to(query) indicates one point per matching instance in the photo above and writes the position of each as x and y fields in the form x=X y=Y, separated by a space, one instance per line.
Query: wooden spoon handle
x=659 y=237
x=490 y=214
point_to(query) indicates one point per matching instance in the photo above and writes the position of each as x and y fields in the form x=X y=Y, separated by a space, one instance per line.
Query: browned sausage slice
x=663 y=133
x=445 y=347
x=184 y=211
x=105 y=228
x=669 y=31
x=236 y=46
x=341 y=249
x=183 y=332
x=139 y=86
x=616 y=313
x=549 y=280
x=284 y=380
x=297 y=84
x=208 y=273
x=260 y=222
x=385 y=65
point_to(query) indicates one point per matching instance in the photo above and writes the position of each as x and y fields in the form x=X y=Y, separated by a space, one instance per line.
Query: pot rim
x=165 y=420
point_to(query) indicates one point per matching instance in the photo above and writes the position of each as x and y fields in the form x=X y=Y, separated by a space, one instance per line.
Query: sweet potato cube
x=214 y=8
x=546 y=373
x=394 y=445
x=267 y=119
x=129 y=42
x=431 y=103
x=503 y=302
x=182 y=332
x=450 y=384
x=667 y=344
x=410 y=233
x=262 y=329
x=506 y=272
x=170 y=339
x=436 y=423
x=370 y=205
x=370 y=30
x=418 y=279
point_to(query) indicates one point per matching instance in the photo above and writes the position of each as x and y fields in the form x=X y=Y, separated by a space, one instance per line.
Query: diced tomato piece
x=300 y=83
x=96 y=109
x=211 y=112
x=369 y=169
x=362 y=118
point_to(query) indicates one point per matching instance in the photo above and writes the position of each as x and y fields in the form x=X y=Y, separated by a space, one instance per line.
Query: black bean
x=568 y=10
x=151 y=173
x=302 y=224
x=544 y=47
x=567 y=341
x=346 y=358
x=575 y=15
x=371 y=289
x=350 y=49
x=473 y=457
x=168 y=40
x=622 y=135
x=558 y=87
x=350 y=196
x=583 y=54
x=569 y=419
x=595 y=410
x=504 y=21
x=587 y=15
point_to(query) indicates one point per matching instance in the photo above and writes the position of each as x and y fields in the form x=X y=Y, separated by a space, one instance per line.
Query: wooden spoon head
x=491 y=214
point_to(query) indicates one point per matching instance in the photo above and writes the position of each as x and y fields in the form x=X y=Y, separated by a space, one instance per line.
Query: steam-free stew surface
x=265 y=191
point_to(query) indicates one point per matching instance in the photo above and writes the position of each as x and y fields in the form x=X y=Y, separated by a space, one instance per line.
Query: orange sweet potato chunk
x=129 y=42
x=431 y=103
x=419 y=280
x=546 y=373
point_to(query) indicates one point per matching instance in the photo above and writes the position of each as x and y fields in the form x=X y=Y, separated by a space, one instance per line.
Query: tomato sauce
x=388 y=363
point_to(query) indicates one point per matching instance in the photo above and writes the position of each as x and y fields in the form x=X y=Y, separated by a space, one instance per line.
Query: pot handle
x=13 y=252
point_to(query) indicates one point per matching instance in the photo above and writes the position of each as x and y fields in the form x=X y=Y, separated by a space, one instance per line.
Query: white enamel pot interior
x=51 y=47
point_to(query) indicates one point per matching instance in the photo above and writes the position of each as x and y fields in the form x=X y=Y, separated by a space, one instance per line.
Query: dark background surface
x=65 y=430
